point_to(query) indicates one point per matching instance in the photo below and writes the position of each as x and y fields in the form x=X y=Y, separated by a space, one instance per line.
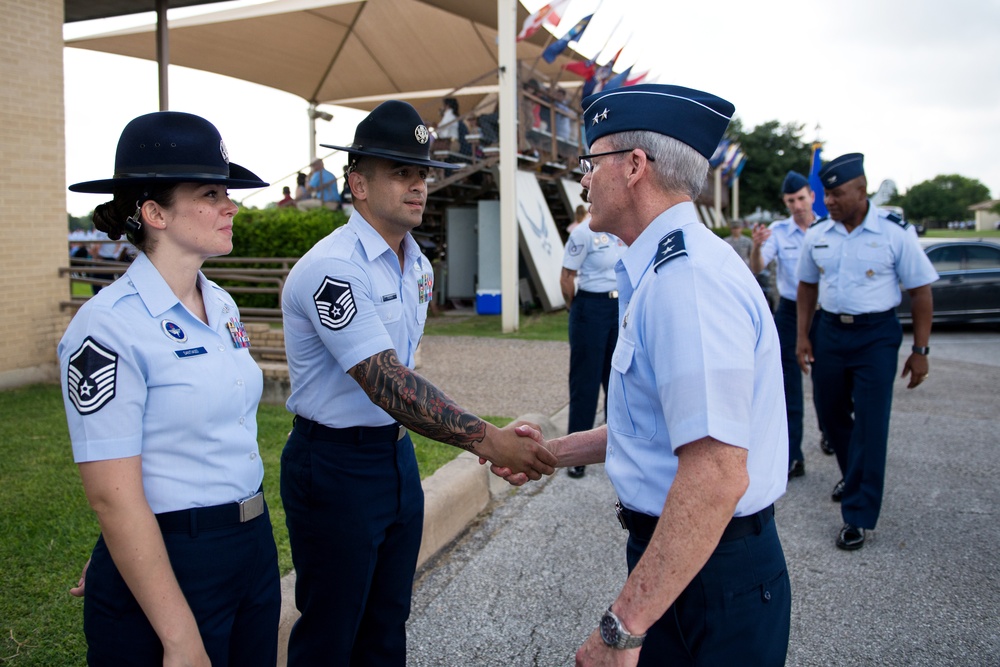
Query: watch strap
x=925 y=350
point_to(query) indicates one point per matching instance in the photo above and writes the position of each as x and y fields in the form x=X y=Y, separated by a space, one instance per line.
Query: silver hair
x=677 y=167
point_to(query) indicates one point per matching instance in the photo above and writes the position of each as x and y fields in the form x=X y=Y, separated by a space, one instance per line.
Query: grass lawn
x=48 y=528
x=962 y=233
x=537 y=326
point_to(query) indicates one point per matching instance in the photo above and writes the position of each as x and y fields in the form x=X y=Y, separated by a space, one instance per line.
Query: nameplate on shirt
x=191 y=352
x=389 y=297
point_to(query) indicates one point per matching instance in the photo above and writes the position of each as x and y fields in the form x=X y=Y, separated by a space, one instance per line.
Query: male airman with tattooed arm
x=354 y=309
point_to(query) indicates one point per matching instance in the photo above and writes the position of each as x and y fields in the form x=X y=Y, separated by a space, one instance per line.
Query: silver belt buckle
x=846 y=319
x=252 y=507
x=613 y=294
x=402 y=432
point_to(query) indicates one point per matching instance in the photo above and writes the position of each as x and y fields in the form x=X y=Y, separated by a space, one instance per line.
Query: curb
x=454 y=496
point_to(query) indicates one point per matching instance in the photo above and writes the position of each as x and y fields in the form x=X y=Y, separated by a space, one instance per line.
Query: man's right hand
x=760 y=234
x=518 y=452
x=804 y=353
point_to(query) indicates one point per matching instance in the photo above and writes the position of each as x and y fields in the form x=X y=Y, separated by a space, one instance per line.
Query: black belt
x=739 y=526
x=863 y=318
x=209 y=518
x=356 y=434
x=583 y=294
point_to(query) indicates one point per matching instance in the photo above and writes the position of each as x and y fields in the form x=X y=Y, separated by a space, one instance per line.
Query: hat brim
x=239 y=178
x=395 y=157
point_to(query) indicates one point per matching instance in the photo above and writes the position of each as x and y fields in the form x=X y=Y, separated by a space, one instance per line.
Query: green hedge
x=276 y=232
x=281 y=232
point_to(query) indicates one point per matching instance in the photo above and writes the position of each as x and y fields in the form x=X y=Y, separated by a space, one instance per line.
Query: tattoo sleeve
x=416 y=403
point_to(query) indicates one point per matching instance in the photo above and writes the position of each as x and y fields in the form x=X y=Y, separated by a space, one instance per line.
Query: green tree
x=942 y=199
x=772 y=149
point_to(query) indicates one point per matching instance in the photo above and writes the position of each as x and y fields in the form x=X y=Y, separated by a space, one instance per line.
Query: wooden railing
x=260 y=275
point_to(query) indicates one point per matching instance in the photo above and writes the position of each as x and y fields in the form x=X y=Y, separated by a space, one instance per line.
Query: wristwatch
x=921 y=350
x=615 y=635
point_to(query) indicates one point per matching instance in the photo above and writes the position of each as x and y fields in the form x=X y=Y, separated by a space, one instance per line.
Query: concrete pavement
x=528 y=580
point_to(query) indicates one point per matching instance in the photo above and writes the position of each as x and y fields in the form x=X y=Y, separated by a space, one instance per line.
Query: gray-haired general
x=695 y=441
x=852 y=265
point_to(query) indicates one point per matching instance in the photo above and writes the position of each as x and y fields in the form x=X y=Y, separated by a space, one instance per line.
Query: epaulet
x=823 y=219
x=892 y=217
x=671 y=246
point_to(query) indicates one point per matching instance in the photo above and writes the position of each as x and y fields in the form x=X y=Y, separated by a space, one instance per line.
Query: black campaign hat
x=172 y=147
x=394 y=131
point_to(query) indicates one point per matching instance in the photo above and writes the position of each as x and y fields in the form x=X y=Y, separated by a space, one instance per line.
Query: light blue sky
x=911 y=84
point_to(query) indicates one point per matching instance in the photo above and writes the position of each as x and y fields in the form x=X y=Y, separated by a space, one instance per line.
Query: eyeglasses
x=587 y=161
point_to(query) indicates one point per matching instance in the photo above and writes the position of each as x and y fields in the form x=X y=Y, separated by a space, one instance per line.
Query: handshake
x=518 y=452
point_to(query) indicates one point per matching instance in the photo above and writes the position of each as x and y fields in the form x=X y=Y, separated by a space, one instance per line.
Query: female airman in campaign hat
x=161 y=399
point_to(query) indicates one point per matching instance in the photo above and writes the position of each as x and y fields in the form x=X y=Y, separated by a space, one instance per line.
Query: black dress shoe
x=824 y=445
x=576 y=472
x=838 y=492
x=851 y=538
x=796 y=469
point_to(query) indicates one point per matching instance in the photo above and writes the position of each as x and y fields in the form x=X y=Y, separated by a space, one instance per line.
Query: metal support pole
x=507 y=89
x=163 y=52
x=311 y=112
x=736 y=197
x=718 y=197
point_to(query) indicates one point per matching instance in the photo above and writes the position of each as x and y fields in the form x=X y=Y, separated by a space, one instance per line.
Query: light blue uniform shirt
x=593 y=256
x=343 y=302
x=143 y=376
x=697 y=357
x=785 y=244
x=860 y=272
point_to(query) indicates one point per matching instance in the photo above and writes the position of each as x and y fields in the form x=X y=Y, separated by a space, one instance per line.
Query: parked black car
x=968 y=289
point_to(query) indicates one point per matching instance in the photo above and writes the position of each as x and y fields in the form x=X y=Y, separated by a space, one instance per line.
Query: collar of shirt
x=157 y=296
x=374 y=245
x=639 y=256
x=871 y=222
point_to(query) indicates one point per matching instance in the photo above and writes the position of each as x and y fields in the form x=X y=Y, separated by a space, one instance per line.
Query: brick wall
x=32 y=190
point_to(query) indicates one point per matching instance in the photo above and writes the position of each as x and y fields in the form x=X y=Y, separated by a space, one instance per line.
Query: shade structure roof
x=349 y=52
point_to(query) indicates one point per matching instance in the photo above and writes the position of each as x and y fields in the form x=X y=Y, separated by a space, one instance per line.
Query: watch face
x=609 y=630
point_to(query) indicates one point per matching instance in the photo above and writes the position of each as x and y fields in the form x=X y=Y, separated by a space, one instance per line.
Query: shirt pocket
x=630 y=412
x=390 y=311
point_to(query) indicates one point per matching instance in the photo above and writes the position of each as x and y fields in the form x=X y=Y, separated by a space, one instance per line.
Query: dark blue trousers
x=853 y=376
x=231 y=581
x=736 y=611
x=355 y=511
x=785 y=318
x=593 y=334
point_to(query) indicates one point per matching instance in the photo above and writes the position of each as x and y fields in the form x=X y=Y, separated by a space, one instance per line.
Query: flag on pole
x=583 y=68
x=595 y=83
x=551 y=13
x=553 y=50
x=618 y=80
x=819 y=208
x=719 y=155
x=637 y=79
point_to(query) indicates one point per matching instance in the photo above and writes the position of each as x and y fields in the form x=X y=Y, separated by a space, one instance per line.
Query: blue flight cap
x=692 y=117
x=842 y=169
x=794 y=181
